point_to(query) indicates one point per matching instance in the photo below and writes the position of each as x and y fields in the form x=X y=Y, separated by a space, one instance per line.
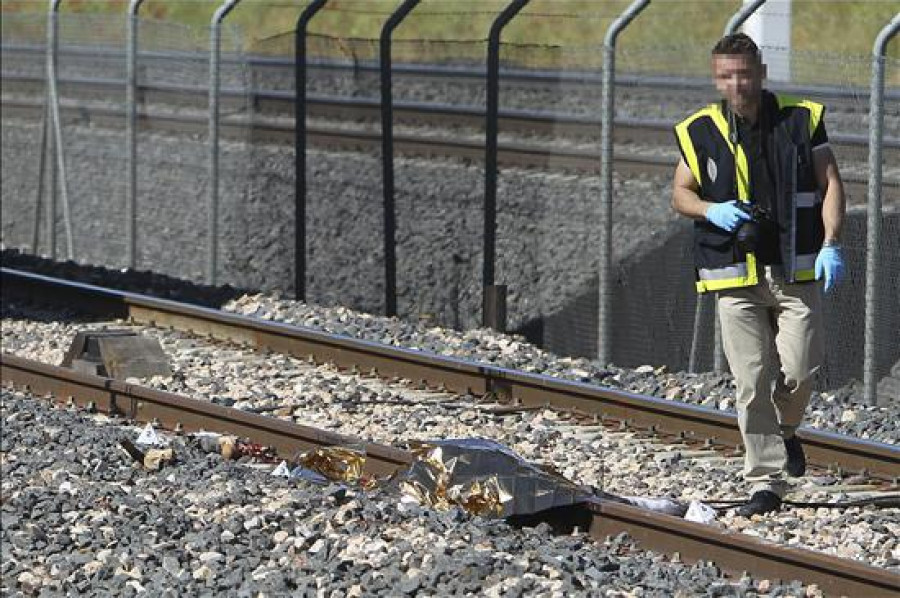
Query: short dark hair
x=736 y=43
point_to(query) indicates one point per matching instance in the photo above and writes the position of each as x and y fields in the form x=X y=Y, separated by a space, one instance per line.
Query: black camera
x=748 y=233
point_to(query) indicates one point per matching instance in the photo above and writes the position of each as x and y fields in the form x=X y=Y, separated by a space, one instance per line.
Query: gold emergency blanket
x=484 y=478
x=480 y=476
x=335 y=463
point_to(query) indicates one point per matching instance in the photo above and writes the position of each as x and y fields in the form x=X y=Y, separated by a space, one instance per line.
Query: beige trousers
x=772 y=333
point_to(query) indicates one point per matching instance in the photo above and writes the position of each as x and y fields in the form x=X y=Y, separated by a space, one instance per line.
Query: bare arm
x=831 y=186
x=685 y=194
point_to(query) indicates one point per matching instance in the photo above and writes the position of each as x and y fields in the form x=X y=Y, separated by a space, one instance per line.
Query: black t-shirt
x=756 y=139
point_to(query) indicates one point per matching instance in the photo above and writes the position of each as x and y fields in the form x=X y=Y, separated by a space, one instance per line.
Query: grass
x=831 y=40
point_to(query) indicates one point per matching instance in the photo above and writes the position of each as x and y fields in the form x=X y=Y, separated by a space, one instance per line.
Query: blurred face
x=738 y=79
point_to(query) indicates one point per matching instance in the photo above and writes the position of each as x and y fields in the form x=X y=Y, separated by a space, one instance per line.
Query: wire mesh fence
x=22 y=138
x=548 y=218
x=549 y=237
x=94 y=160
x=345 y=208
x=440 y=202
x=28 y=34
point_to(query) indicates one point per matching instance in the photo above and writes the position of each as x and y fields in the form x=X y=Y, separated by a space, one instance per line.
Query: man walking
x=759 y=180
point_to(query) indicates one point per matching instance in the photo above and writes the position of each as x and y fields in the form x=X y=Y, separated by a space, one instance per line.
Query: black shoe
x=796 y=460
x=761 y=502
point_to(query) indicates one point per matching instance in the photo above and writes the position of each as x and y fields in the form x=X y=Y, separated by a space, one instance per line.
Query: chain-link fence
x=173 y=155
x=345 y=213
x=22 y=136
x=548 y=187
x=174 y=198
x=550 y=222
x=440 y=202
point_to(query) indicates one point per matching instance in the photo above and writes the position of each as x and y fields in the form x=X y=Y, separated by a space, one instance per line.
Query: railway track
x=733 y=552
x=330 y=134
x=439 y=114
x=530 y=138
x=101 y=57
x=521 y=389
x=698 y=428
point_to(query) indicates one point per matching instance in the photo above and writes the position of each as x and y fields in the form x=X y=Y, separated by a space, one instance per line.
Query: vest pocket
x=713 y=247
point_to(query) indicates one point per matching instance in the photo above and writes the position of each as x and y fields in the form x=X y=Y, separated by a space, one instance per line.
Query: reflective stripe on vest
x=742 y=274
x=805 y=267
x=815 y=110
x=687 y=146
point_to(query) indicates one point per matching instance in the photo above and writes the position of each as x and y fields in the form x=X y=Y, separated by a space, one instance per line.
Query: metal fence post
x=60 y=164
x=213 y=208
x=741 y=16
x=873 y=216
x=491 y=309
x=387 y=158
x=300 y=147
x=42 y=163
x=719 y=362
x=604 y=339
x=130 y=134
x=52 y=40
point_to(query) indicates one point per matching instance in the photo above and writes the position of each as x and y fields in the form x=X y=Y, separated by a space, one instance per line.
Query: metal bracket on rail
x=118 y=354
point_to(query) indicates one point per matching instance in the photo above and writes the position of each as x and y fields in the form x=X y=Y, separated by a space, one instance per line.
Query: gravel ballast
x=621 y=463
x=80 y=518
x=841 y=411
x=548 y=244
x=547 y=222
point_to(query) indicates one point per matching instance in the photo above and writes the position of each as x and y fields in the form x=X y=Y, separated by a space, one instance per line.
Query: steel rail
x=429 y=113
x=733 y=552
x=176 y=412
x=736 y=552
x=535 y=155
x=445 y=72
x=822 y=448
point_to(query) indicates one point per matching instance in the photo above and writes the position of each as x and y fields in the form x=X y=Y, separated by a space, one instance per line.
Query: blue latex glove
x=830 y=264
x=727 y=215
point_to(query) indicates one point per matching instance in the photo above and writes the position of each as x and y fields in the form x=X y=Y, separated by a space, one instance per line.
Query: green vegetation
x=832 y=40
